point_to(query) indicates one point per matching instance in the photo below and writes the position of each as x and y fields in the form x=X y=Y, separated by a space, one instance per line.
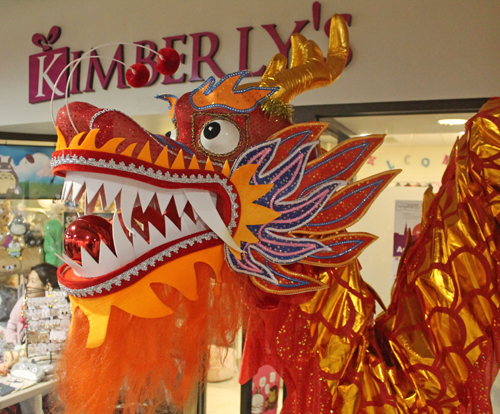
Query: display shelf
x=26 y=393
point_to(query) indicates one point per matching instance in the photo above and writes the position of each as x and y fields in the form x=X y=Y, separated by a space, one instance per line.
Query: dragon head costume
x=239 y=214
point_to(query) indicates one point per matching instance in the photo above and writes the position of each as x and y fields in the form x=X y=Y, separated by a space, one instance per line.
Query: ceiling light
x=452 y=121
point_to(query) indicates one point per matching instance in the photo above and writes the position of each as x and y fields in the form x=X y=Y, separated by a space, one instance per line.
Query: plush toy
x=241 y=212
x=28 y=370
x=53 y=240
x=33 y=238
x=4 y=214
x=11 y=263
x=18 y=226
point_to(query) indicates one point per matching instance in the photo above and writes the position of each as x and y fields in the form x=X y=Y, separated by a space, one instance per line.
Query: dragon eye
x=220 y=137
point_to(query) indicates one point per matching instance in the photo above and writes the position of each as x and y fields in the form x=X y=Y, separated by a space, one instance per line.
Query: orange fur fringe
x=144 y=360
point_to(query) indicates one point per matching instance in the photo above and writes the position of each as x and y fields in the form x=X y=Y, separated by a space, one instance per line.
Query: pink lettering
x=170 y=42
x=43 y=76
x=244 y=36
x=282 y=46
x=197 y=59
x=316 y=14
x=75 y=81
x=44 y=69
x=95 y=66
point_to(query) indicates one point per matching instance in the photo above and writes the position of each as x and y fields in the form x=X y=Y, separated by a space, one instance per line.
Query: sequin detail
x=159 y=175
x=143 y=266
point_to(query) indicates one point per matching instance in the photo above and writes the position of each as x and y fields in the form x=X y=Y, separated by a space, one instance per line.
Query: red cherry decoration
x=87 y=232
x=137 y=75
x=168 y=61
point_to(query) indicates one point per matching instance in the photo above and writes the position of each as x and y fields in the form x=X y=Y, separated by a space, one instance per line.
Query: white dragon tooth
x=141 y=246
x=89 y=207
x=155 y=237
x=180 y=201
x=200 y=225
x=163 y=200
x=196 y=216
x=111 y=190
x=108 y=262
x=173 y=233
x=78 y=189
x=90 y=268
x=145 y=196
x=187 y=225
x=201 y=201
x=75 y=266
x=127 y=203
x=66 y=190
x=123 y=247
x=92 y=187
x=213 y=196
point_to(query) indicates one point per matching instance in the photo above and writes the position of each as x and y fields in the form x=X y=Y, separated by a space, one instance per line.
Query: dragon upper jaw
x=186 y=219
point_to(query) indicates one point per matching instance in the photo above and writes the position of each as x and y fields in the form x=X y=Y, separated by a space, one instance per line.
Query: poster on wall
x=265 y=391
x=25 y=173
x=407 y=218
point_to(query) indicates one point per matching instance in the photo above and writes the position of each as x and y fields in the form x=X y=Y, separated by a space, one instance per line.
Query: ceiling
x=401 y=129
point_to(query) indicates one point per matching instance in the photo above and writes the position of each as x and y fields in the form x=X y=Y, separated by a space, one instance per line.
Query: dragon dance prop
x=240 y=216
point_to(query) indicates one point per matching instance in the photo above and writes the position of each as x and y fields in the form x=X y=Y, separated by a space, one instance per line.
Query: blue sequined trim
x=375 y=183
x=211 y=87
x=184 y=148
x=295 y=282
x=334 y=256
x=166 y=95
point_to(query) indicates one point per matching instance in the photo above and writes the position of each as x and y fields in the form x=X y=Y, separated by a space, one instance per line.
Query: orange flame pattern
x=226 y=94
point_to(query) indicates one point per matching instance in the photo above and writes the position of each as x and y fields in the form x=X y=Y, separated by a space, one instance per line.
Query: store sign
x=49 y=70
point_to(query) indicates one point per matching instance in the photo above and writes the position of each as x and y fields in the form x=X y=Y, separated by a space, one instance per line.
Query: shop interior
x=413 y=74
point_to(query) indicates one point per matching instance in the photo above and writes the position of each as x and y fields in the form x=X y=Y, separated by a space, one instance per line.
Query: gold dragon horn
x=308 y=68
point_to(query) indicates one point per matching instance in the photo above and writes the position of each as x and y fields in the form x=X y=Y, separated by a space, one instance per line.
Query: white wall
x=422 y=165
x=377 y=260
x=431 y=49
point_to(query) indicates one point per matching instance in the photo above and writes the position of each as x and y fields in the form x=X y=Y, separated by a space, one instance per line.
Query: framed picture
x=25 y=172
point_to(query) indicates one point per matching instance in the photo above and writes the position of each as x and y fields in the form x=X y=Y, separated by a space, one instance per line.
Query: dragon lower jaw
x=148 y=221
